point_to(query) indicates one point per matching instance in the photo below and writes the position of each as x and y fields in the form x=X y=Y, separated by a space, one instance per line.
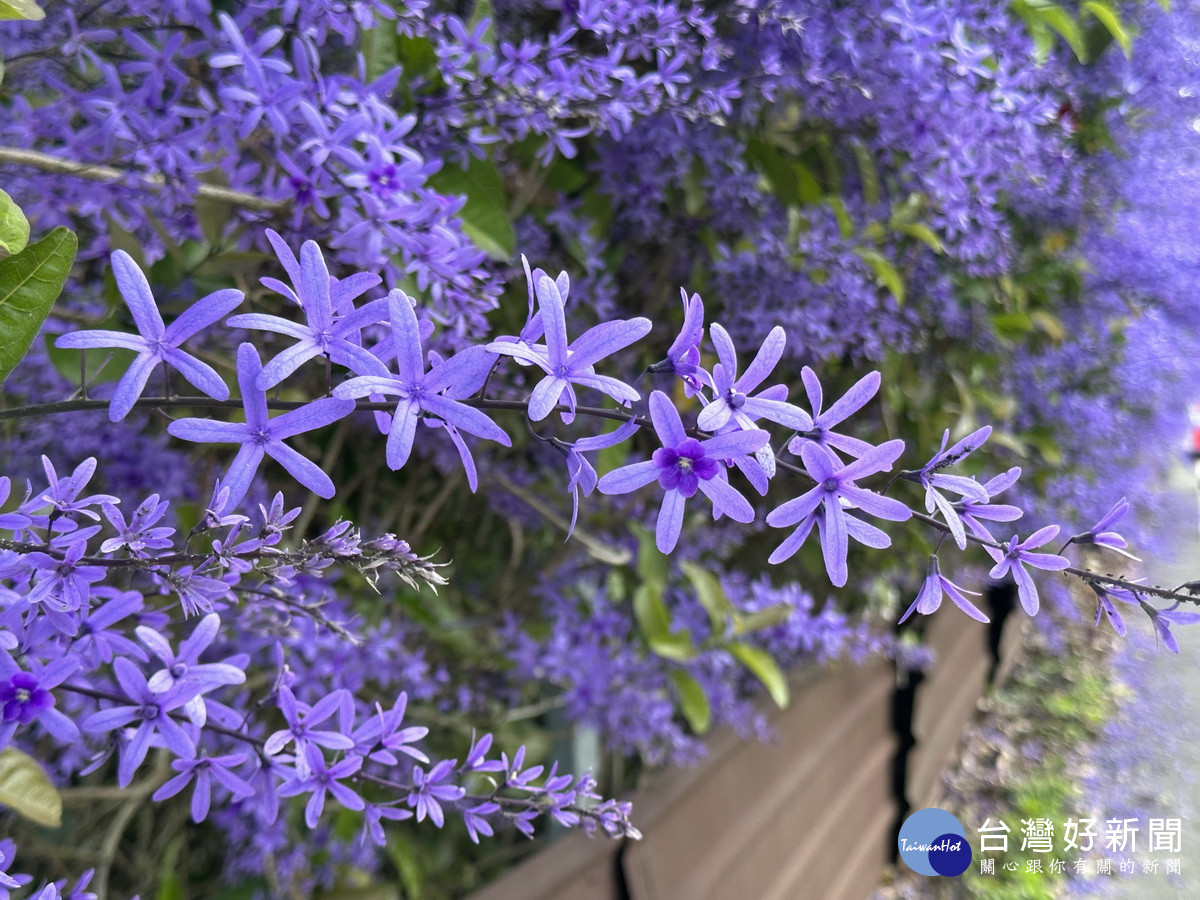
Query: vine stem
x=47 y=163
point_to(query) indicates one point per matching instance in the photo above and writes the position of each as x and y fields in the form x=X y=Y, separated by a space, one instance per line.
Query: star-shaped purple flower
x=333 y=327
x=568 y=364
x=929 y=597
x=156 y=342
x=835 y=486
x=824 y=421
x=262 y=436
x=684 y=465
x=732 y=394
x=420 y=390
x=1016 y=554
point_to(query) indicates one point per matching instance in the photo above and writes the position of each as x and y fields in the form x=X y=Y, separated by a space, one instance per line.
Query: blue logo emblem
x=933 y=842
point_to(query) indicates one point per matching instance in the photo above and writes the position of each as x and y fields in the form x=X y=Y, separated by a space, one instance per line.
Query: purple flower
x=582 y=478
x=971 y=511
x=835 y=486
x=62 y=495
x=420 y=391
x=64 y=585
x=1100 y=533
x=203 y=771
x=570 y=364
x=152 y=714
x=929 y=597
x=185 y=669
x=139 y=534
x=25 y=697
x=1163 y=619
x=429 y=792
x=935 y=481
x=823 y=422
x=301 y=718
x=263 y=436
x=1014 y=556
x=7 y=851
x=1106 y=608
x=327 y=333
x=684 y=465
x=10 y=521
x=156 y=343
x=319 y=779
x=731 y=394
x=683 y=356
x=477 y=824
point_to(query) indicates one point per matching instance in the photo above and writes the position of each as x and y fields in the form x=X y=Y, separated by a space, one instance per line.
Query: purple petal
x=764 y=363
x=202 y=314
x=726 y=498
x=310 y=417
x=604 y=340
x=667 y=424
x=135 y=289
x=670 y=521
x=130 y=387
x=208 y=431
x=199 y=374
x=628 y=478
x=304 y=470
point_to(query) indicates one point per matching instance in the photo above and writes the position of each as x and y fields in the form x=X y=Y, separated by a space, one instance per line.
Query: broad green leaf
x=867 y=172
x=845 y=223
x=14 y=227
x=30 y=282
x=762 y=665
x=762 y=618
x=21 y=9
x=652 y=615
x=1063 y=23
x=711 y=596
x=922 y=233
x=676 y=646
x=1111 y=20
x=886 y=273
x=26 y=789
x=653 y=566
x=693 y=702
x=485 y=214
x=171 y=888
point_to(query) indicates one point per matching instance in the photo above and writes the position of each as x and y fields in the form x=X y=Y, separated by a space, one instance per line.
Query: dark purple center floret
x=22 y=699
x=831 y=485
x=682 y=468
x=736 y=399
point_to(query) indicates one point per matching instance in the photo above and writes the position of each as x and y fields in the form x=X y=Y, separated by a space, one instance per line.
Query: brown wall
x=810 y=814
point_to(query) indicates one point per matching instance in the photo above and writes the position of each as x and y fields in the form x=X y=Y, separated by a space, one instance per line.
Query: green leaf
x=885 y=272
x=711 y=596
x=26 y=789
x=763 y=618
x=14 y=227
x=868 y=173
x=30 y=282
x=922 y=233
x=21 y=9
x=653 y=617
x=693 y=702
x=1058 y=19
x=653 y=566
x=762 y=665
x=172 y=888
x=485 y=215
x=1111 y=20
